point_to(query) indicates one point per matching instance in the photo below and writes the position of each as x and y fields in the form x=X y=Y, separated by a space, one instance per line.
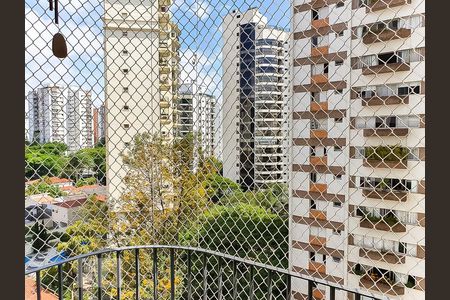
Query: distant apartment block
x=255 y=94
x=358 y=169
x=196 y=115
x=99 y=123
x=63 y=114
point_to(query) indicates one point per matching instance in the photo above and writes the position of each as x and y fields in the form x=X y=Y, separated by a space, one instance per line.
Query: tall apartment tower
x=255 y=91
x=99 y=123
x=358 y=147
x=61 y=114
x=79 y=121
x=196 y=114
x=141 y=67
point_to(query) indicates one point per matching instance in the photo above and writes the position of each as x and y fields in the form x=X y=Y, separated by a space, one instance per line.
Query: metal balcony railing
x=194 y=289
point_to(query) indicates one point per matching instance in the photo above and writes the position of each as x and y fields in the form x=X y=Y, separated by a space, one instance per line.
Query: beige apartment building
x=358 y=147
x=141 y=67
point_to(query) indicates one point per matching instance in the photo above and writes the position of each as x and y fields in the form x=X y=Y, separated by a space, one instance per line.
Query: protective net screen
x=288 y=133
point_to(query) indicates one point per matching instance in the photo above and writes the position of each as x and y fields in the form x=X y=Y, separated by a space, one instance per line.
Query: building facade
x=99 y=123
x=358 y=146
x=141 y=69
x=63 y=114
x=255 y=93
x=196 y=115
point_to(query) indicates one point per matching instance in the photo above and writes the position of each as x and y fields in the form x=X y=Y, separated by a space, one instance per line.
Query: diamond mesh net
x=290 y=133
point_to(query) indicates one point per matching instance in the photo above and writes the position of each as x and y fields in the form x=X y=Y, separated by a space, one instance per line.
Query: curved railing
x=221 y=259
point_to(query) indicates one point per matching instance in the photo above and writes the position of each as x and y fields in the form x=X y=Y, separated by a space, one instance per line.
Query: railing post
x=189 y=274
x=269 y=285
x=234 y=280
x=310 y=290
x=60 y=282
x=205 y=275
x=332 y=293
x=99 y=276
x=119 y=274
x=251 y=287
x=38 y=285
x=288 y=287
x=155 y=274
x=138 y=279
x=220 y=279
x=172 y=274
x=80 y=279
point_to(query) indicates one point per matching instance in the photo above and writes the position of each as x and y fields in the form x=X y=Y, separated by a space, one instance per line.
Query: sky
x=81 y=24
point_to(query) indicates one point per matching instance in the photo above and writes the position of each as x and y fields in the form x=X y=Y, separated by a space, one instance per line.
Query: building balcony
x=385 y=100
x=319 y=133
x=380 y=132
x=382 y=225
x=381 y=285
x=390 y=195
x=133 y=271
x=319 y=78
x=317 y=214
x=386 y=68
x=385 y=164
x=385 y=256
x=319 y=51
x=318 y=187
x=320 y=23
x=318 y=106
x=385 y=35
x=317 y=267
x=318 y=160
x=317 y=240
x=377 y=5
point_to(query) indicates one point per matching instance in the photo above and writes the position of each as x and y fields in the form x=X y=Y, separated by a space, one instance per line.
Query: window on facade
x=336 y=259
x=312 y=256
x=337 y=148
x=312 y=151
x=125 y=89
x=313 y=177
x=314 y=41
x=126 y=107
x=125 y=71
x=125 y=53
x=339 y=63
x=314 y=15
x=340 y=4
x=338 y=177
x=338 y=120
x=126 y=126
x=124 y=14
x=336 y=232
x=124 y=33
x=337 y=204
x=312 y=204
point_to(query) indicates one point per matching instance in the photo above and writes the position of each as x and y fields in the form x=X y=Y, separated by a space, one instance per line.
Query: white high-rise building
x=255 y=94
x=63 y=114
x=358 y=219
x=79 y=121
x=196 y=114
x=141 y=72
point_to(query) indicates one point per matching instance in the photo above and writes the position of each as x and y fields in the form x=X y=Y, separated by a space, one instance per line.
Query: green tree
x=43 y=186
x=86 y=181
x=40 y=237
x=237 y=230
